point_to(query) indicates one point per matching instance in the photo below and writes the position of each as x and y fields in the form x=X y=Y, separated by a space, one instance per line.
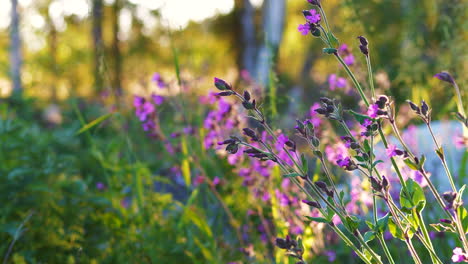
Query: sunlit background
x=58 y=46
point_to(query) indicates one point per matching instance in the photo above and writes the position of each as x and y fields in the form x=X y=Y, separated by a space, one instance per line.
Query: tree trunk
x=117 y=85
x=273 y=21
x=248 y=37
x=15 y=48
x=98 y=45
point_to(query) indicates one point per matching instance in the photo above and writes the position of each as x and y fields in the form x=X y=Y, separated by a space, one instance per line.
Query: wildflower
x=331 y=255
x=304 y=28
x=349 y=60
x=445 y=76
x=334 y=81
x=459 y=256
x=314 y=119
x=392 y=151
x=148 y=125
x=144 y=111
x=100 y=186
x=312 y=16
x=343 y=162
x=366 y=123
x=157 y=99
x=138 y=101
x=158 y=80
x=216 y=181
x=373 y=110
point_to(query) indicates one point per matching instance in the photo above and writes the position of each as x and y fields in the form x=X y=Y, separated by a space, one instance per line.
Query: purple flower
x=331 y=255
x=332 y=81
x=158 y=80
x=366 y=123
x=313 y=17
x=349 y=60
x=314 y=117
x=216 y=181
x=144 y=111
x=372 y=111
x=304 y=28
x=343 y=162
x=157 y=99
x=138 y=101
x=391 y=151
x=341 y=82
x=343 y=48
x=148 y=125
x=458 y=255
x=445 y=76
x=100 y=186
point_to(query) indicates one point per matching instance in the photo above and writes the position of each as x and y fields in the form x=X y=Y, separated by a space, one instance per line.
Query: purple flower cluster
x=158 y=80
x=312 y=21
x=145 y=110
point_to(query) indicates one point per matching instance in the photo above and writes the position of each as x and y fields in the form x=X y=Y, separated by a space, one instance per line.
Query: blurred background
x=83 y=47
x=109 y=124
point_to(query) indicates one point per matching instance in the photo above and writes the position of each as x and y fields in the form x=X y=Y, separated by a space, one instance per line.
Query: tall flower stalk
x=406 y=221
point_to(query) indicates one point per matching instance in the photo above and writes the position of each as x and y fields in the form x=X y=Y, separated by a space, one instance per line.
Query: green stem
x=371 y=78
x=353 y=78
x=385 y=248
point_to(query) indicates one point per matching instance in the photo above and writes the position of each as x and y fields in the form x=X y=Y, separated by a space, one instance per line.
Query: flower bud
x=250 y=133
x=424 y=108
x=445 y=76
x=221 y=84
x=363 y=40
x=322 y=185
x=312 y=203
x=246 y=95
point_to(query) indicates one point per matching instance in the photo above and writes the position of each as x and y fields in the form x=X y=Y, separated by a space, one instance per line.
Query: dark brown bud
x=312 y=203
x=364 y=50
x=413 y=106
x=363 y=40
x=225 y=93
x=291 y=144
x=375 y=184
x=424 y=108
x=283 y=243
x=250 y=133
x=246 y=95
x=232 y=148
x=322 y=185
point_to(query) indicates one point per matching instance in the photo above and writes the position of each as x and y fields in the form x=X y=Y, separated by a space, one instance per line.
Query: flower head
x=313 y=16
x=158 y=80
x=373 y=110
x=459 y=256
x=392 y=151
x=304 y=28
x=349 y=60
x=157 y=99
x=445 y=76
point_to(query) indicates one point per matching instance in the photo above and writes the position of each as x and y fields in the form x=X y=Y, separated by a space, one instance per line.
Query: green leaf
x=329 y=50
x=463 y=215
x=94 y=123
x=333 y=40
x=305 y=165
x=382 y=223
x=369 y=236
x=413 y=196
x=359 y=117
x=291 y=175
x=318 y=219
x=394 y=230
x=352 y=222
x=411 y=164
x=377 y=162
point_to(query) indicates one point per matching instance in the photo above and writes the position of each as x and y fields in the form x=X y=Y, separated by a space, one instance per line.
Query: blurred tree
x=248 y=39
x=273 y=22
x=15 y=46
x=116 y=54
x=98 y=44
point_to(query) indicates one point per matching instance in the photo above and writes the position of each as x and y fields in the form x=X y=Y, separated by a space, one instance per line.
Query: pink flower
x=158 y=80
x=332 y=81
x=304 y=28
x=372 y=111
x=366 y=123
x=459 y=256
x=341 y=82
x=392 y=151
x=313 y=17
x=349 y=60
x=343 y=162
x=157 y=99
x=216 y=181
